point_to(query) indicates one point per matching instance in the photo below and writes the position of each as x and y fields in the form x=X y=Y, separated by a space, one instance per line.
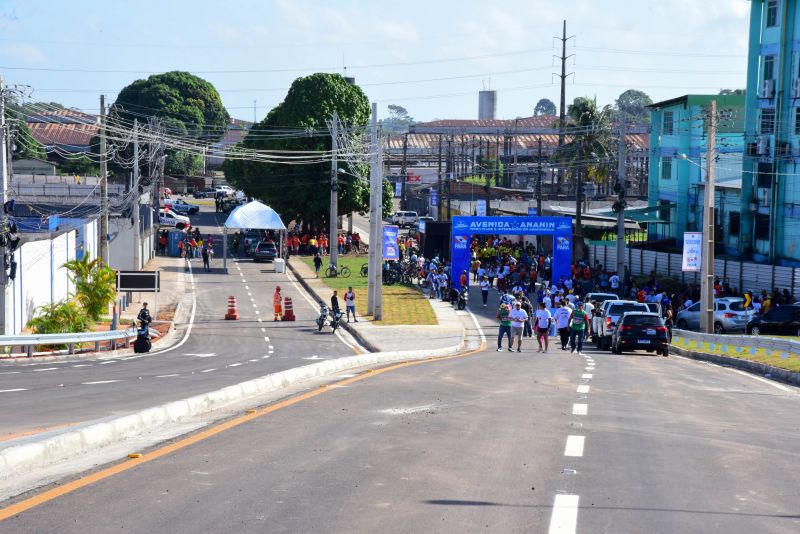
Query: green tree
x=59 y=318
x=95 y=285
x=632 y=107
x=544 y=106
x=589 y=154
x=24 y=144
x=81 y=165
x=302 y=192
x=398 y=121
x=189 y=106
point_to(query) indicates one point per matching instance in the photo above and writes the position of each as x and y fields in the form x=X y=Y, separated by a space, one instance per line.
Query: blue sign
x=390 y=248
x=434 y=197
x=560 y=228
x=480 y=208
x=53 y=223
x=532 y=211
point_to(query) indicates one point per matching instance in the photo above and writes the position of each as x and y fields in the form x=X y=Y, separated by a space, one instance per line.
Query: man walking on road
x=317 y=264
x=562 y=316
x=518 y=319
x=578 y=329
x=206 y=262
x=505 y=328
x=484 y=290
x=543 y=319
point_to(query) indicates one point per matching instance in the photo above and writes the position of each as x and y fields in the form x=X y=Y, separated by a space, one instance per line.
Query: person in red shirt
x=340 y=243
x=463 y=279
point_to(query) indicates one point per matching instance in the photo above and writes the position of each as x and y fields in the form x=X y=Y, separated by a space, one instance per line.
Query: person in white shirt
x=518 y=319
x=481 y=272
x=484 y=289
x=543 y=319
x=547 y=302
x=562 y=315
x=614 y=281
x=571 y=298
x=350 y=303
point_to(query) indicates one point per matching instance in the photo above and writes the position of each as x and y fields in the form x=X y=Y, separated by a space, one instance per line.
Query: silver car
x=729 y=316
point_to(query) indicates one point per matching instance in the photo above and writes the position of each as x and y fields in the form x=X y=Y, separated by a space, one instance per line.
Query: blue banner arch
x=463 y=228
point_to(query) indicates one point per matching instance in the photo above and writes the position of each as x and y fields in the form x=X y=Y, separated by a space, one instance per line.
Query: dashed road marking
x=564 y=519
x=12 y=390
x=271 y=347
x=108 y=361
x=235 y=364
x=580 y=409
x=583 y=389
x=587 y=375
x=253 y=360
x=574 y=446
x=167 y=376
x=100 y=382
x=208 y=370
x=46 y=369
x=13 y=372
x=83 y=365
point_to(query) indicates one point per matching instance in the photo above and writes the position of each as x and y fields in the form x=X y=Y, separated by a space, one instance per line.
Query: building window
x=734 y=220
x=667 y=125
x=664 y=211
x=797 y=121
x=764 y=175
x=762 y=226
x=767 y=121
x=772 y=13
x=769 y=67
x=666 y=168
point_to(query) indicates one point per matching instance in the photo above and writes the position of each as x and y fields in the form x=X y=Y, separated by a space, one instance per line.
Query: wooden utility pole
x=103 y=230
x=707 y=266
x=562 y=116
x=620 y=189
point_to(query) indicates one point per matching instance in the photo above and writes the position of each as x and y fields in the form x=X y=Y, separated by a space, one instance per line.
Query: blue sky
x=399 y=52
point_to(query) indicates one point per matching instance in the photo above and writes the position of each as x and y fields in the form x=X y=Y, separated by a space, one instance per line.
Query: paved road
x=489 y=442
x=218 y=353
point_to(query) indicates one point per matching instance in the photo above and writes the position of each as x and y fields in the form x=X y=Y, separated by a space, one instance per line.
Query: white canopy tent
x=253 y=215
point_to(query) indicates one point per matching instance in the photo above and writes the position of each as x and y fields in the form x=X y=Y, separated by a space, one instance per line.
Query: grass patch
x=788 y=361
x=401 y=304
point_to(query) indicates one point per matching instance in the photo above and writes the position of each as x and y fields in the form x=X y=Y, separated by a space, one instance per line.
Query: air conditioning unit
x=768 y=89
x=763 y=145
x=796 y=89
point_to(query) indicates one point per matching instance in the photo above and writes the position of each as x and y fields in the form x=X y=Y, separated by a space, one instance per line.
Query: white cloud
x=23 y=53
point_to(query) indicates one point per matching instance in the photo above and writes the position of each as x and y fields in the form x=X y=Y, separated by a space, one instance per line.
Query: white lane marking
x=265 y=357
x=764 y=380
x=13 y=372
x=83 y=365
x=314 y=357
x=250 y=294
x=100 y=382
x=167 y=376
x=235 y=364
x=245 y=281
x=580 y=409
x=564 y=519
x=107 y=362
x=586 y=375
x=477 y=325
x=574 y=446
x=201 y=354
x=255 y=305
x=264 y=330
x=208 y=370
x=266 y=338
x=254 y=360
x=247 y=288
x=590 y=369
x=271 y=347
x=12 y=390
x=47 y=369
x=583 y=389
x=191 y=319
x=257 y=311
x=260 y=320
x=346 y=376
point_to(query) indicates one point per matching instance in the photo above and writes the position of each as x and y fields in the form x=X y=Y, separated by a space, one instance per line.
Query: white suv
x=224 y=189
x=606 y=318
x=405 y=218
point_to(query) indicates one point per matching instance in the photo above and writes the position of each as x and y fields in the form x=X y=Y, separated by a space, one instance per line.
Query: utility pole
x=516 y=150
x=254 y=112
x=3 y=200
x=334 y=215
x=620 y=189
x=404 y=173
x=449 y=172
x=103 y=185
x=137 y=246
x=375 y=267
x=562 y=116
x=439 y=186
x=707 y=267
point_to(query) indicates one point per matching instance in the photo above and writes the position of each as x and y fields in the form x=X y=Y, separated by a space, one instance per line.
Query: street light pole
x=334 y=215
x=707 y=267
x=621 y=202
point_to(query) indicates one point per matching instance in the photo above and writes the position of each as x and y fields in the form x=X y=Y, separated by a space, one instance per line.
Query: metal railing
x=29 y=341
x=737 y=344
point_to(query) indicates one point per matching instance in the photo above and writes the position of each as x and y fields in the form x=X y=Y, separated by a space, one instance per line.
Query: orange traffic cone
x=288 y=309
x=233 y=313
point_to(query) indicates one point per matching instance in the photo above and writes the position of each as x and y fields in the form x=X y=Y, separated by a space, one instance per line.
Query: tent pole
x=225 y=249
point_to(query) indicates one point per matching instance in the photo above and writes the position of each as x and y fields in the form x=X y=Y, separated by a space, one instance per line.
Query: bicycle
x=333 y=272
x=364 y=270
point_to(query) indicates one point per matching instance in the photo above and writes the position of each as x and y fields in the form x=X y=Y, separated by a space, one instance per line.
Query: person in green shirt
x=578 y=328
x=505 y=328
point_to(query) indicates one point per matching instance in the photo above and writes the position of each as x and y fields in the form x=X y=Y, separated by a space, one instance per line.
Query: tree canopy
x=544 y=106
x=398 y=121
x=189 y=106
x=25 y=145
x=632 y=106
x=302 y=192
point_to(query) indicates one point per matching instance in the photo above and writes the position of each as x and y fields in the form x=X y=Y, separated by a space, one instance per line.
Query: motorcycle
x=463 y=297
x=142 y=344
x=336 y=318
x=323 y=315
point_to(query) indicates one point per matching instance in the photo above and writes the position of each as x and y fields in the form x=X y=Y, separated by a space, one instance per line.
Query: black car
x=265 y=251
x=203 y=193
x=782 y=321
x=640 y=330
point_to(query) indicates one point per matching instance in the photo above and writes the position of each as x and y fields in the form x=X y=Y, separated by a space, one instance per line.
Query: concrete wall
x=120 y=247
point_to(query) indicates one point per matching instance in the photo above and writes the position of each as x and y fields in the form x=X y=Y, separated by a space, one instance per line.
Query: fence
x=740 y=275
x=736 y=344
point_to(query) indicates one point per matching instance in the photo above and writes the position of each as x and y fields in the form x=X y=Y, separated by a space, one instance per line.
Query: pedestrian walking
x=527 y=331
x=350 y=303
x=277 y=304
x=518 y=319
x=578 y=329
x=505 y=328
x=206 y=263
x=562 y=316
x=543 y=320
x=484 y=290
x=317 y=264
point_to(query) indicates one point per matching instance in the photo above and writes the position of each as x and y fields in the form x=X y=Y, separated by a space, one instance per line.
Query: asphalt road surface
x=489 y=442
x=218 y=353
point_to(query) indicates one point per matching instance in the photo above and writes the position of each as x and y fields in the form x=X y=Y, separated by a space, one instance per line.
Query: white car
x=224 y=189
x=405 y=218
x=167 y=217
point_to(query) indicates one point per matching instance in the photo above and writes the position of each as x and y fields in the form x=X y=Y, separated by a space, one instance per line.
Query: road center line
x=208 y=370
x=12 y=390
x=564 y=519
x=574 y=446
x=100 y=382
x=167 y=376
x=46 y=369
x=583 y=389
x=586 y=375
x=580 y=409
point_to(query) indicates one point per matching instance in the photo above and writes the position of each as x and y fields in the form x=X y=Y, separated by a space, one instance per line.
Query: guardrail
x=749 y=344
x=27 y=342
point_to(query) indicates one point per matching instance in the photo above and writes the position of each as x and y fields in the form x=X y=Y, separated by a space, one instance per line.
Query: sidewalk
x=449 y=332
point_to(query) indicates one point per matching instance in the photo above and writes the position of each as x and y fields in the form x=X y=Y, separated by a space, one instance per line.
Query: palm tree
x=588 y=153
x=95 y=285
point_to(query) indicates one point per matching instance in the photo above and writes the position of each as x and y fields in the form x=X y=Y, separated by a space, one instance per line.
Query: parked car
x=224 y=190
x=730 y=315
x=654 y=307
x=405 y=218
x=781 y=321
x=640 y=330
x=203 y=193
x=599 y=298
x=251 y=237
x=167 y=217
x=265 y=251
x=606 y=318
x=181 y=207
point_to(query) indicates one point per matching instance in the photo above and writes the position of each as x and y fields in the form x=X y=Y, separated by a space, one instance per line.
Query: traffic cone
x=233 y=313
x=288 y=309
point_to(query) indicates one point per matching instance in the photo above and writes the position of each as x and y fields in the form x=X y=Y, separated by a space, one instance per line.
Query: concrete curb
x=775 y=373
x=69 y=444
